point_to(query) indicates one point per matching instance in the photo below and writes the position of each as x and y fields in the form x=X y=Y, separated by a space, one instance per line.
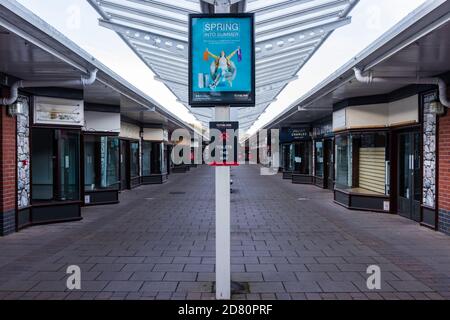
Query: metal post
x=223 y=230
x=223 y=238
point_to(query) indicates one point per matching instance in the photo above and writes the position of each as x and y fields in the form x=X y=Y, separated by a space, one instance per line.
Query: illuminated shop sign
x=295 y=134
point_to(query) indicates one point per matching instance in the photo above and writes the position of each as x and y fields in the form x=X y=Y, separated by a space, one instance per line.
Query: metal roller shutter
x=372 y=169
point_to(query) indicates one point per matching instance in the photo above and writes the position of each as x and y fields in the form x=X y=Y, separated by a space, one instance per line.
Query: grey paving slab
x=169 y=267
x=147 y=276
x=279 y=276
x=194 y=286
x=159 y=286
x=180 y=276
x=266 y=287
x=246 y=276
x=302 y=286
x=282 y=247
x=409 y=286
x=198 y=268
x=260 y=267
x=114 y=275
x=127 y=286
x=337 y=286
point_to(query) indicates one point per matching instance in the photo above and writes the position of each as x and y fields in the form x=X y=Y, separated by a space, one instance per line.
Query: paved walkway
x=288 y=242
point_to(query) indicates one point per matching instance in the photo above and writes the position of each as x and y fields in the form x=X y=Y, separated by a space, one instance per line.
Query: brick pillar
x=444 y=173
x=7 y=173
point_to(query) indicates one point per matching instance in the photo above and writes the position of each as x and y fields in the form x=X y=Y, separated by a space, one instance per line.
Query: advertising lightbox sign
x=229 y=142
x=221 y=60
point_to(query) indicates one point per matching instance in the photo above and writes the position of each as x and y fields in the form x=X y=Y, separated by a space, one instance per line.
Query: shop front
x=129 y=156
x=296 y=150
x=100 y=152
x=323 y=141
x=361 y=170
x=386 y=156
x=155 y=156
x=48 y=160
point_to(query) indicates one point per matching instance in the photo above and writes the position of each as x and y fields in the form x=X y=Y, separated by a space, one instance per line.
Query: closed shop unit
x=130 y=156
x=386 y=157
x=101 y=169
x=361 y=168
x=297 y=159
x=100 y=151
x=55 y=138
x=155 y=156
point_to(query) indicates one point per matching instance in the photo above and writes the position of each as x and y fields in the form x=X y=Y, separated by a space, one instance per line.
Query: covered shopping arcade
x=364 y=162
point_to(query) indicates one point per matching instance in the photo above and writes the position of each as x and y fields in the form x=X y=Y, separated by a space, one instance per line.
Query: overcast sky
x=79 y=21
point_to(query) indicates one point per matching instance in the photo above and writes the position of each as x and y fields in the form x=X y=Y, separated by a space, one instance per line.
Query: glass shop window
x=288 y=157
x=159 y=160
x=134 y=156
x=319 y=151
x=146 y=158
x=361 y=162
x=343 y=162
x=165 y=161
x=55 y=164
x=101 y=162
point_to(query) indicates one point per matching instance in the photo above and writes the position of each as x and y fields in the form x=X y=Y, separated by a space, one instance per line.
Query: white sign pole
x=223 y=239
x=223 y=231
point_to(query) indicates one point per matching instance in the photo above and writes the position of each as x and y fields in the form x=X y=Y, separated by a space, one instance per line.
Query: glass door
x=302 y=157
x=123 y=164
x=409 y=179
x=68 y=171
x=43 y=162
x=329 y=165
x=288 y=155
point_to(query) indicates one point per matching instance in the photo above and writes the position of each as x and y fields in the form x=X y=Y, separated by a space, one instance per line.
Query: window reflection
x=101 y=162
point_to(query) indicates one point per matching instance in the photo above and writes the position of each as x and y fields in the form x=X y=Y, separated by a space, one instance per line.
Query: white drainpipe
x=443 y=97
x=14 y=91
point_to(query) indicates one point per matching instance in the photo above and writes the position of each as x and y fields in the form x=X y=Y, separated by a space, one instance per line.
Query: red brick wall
x=7 y=161
x=444 y=173
x=444 y=162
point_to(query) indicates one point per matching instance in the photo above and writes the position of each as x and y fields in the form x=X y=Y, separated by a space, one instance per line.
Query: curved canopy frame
x=288 y=33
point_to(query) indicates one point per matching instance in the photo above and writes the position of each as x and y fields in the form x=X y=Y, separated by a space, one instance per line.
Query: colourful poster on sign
x=221 y=60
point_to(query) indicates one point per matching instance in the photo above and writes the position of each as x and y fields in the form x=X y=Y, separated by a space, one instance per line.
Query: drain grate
x=177 y=192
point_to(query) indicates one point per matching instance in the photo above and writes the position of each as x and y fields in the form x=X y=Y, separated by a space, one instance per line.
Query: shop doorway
x=124 y=156
x=409 y=175
x=288 y=157
x=329 y=164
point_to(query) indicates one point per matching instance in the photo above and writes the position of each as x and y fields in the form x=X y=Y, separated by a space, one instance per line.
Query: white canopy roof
x=288 y=32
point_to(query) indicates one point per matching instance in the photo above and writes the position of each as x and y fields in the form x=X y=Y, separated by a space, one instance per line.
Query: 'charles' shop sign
x=294 y=134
